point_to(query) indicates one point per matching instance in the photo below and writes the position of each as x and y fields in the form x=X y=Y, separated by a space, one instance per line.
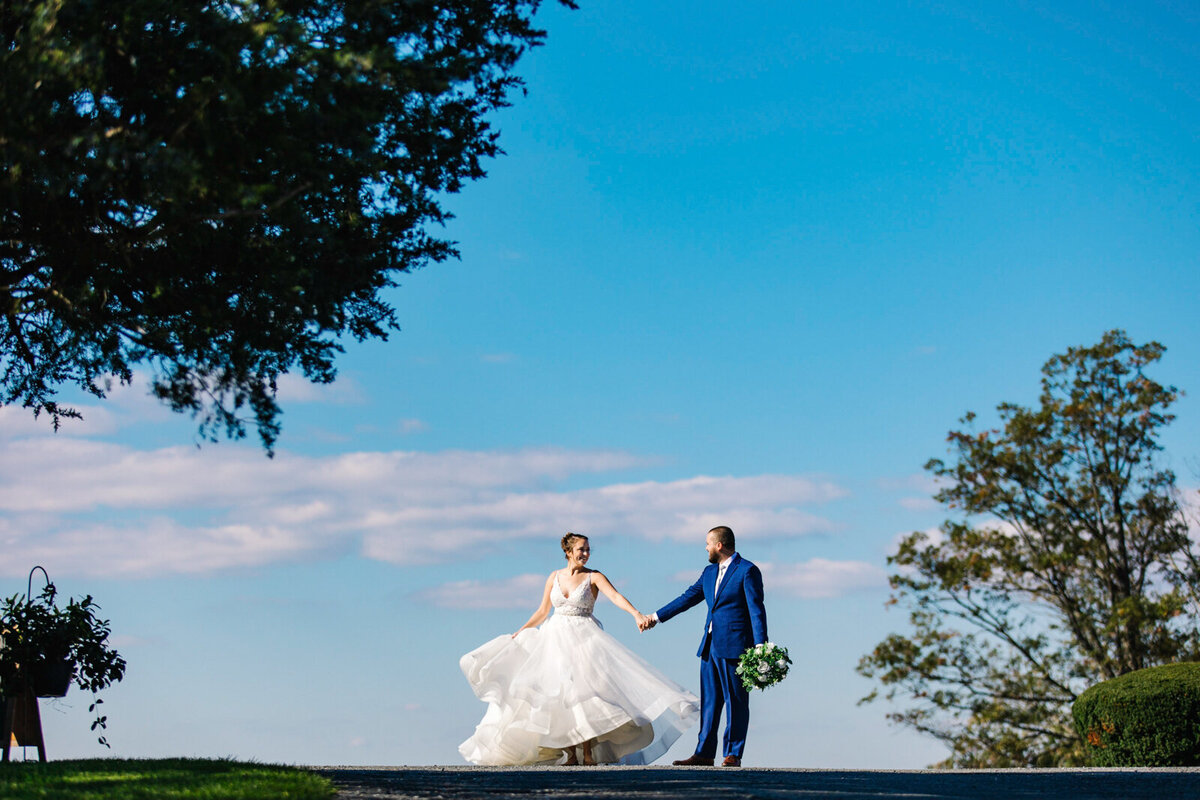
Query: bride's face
x=580 y=553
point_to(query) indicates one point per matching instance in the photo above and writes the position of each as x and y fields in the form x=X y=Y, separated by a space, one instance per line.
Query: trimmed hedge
x=1148 y=718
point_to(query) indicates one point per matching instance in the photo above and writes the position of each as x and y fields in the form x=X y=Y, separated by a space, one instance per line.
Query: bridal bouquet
x=763 y=665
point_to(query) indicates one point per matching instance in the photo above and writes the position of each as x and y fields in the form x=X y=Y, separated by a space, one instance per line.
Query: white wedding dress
x=568 y=682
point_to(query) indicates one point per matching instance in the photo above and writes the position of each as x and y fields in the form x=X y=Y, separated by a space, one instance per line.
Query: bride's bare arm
x=543 y=610
x=603 y=584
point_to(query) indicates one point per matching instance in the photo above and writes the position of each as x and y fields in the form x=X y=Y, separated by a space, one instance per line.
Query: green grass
x=166 y=779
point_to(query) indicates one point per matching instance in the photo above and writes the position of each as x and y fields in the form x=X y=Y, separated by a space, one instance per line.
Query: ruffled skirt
x=565 y=683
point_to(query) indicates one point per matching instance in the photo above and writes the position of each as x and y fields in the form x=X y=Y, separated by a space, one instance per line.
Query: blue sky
x=742 y=267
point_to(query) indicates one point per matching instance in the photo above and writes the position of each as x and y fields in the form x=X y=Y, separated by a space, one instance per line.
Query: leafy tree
x=1072 y=565
x=220 y=190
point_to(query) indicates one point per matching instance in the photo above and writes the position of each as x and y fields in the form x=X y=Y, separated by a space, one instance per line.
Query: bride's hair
x=568 y=541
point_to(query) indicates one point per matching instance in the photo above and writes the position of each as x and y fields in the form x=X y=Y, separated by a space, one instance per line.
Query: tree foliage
x=1071 y=565
x=220 y=190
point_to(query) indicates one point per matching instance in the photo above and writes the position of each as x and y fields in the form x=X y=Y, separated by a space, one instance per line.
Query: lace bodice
x=578 y=603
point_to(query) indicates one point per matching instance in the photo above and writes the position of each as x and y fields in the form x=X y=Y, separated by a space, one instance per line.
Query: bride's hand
x=640 y=619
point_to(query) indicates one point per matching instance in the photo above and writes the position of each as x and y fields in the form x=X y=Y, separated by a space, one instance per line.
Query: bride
x=568 y=691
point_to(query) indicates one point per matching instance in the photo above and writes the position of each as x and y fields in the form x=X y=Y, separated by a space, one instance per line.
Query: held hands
x=645 y=623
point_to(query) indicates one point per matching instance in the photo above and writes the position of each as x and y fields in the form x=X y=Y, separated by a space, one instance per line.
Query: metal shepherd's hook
x=29 y=588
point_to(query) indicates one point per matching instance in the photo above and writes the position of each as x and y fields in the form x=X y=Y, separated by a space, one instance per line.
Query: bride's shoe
x=572 y=760
x=588 y=761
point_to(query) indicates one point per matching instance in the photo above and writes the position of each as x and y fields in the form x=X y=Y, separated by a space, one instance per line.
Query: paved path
x=680 y=783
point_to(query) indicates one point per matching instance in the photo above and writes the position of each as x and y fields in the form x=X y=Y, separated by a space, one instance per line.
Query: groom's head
x=719 y=543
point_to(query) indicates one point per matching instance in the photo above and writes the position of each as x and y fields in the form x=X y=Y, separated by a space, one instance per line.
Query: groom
x=737 y=620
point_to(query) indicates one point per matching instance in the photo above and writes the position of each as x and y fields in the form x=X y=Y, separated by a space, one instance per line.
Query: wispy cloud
x=298 y=389
x=412 y=426
x=133 y=404
x=759 y=507
x=87 y=506
x=18 y=422
x=498 y=358
x=816 y=578
x=521 y=591
x=918 y=503
x=823 y=578
x=921 y=482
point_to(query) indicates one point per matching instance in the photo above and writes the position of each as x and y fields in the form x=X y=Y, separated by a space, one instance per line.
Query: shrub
x=1148 y=718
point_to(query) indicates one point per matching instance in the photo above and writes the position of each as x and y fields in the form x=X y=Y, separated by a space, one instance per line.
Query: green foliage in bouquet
x=763 y=665
x=1147 y=718
x=39 y=638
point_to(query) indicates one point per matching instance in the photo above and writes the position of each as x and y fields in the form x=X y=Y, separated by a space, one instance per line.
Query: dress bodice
x=578 y=603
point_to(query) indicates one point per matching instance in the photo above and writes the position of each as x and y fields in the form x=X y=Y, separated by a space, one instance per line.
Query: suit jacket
x=736 y=613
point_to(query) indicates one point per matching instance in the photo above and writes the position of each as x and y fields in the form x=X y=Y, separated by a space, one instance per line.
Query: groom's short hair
x=724 y=536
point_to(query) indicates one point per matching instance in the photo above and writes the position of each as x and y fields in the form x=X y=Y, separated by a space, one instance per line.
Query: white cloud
x=817 y=578
x=153 y=547
x=126 y=405
x=921 y=482
x=758 y=507
x=412 y=426
x=934 y=535
x=521 y=591
x=822 y=578
x=292 y=388
x=919 y=503
x=18 y=422
x=94 y=507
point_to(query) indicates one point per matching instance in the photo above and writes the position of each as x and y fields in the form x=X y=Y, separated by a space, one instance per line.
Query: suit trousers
x=720 y=687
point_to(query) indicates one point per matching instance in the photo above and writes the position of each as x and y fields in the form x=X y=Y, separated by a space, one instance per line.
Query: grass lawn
x=166 y=779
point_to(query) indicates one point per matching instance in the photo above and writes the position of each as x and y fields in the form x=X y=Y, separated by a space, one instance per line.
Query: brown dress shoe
x=732 y=761
x=694 y=761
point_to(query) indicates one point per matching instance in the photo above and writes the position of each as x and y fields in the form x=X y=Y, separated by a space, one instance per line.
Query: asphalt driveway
x=670 y=783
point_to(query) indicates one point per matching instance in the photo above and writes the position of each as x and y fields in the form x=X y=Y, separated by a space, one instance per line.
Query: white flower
x=781 y=663
x=758 y=648
x=764 y=668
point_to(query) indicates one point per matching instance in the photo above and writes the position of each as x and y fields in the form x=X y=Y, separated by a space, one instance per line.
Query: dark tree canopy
x=1072 y=565
x=220 y=191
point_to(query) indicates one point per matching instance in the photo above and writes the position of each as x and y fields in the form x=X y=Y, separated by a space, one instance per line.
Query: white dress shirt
x=724 y=565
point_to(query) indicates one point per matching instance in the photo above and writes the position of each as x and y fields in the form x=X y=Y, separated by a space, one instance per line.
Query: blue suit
x=738 y=620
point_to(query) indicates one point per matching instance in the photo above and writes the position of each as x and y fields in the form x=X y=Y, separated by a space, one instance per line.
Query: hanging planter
x=52 y=678
x=45 y=647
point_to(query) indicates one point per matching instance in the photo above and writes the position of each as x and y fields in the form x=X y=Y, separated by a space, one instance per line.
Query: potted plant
x=44 y=647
